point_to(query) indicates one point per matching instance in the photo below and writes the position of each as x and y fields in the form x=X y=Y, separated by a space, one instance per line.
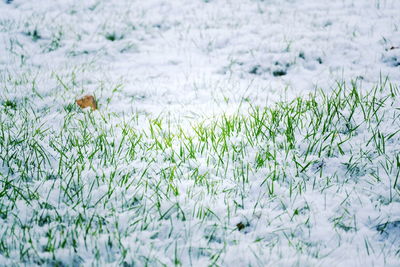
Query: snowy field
x=228 y=133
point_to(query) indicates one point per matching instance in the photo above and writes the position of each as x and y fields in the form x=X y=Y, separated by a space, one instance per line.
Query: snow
x=191 y=60
x=186 y=56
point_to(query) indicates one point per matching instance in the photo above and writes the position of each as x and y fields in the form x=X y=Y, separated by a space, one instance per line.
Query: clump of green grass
x=279 y=72
x=113 y=36
x=34 y=34
x=9 y=104
x=55 y=42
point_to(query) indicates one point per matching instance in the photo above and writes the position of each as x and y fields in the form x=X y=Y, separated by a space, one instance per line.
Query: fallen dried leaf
x=87 y=101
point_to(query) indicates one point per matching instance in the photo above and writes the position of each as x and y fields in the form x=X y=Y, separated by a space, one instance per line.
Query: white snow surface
x=191 y=60
x=197 y=57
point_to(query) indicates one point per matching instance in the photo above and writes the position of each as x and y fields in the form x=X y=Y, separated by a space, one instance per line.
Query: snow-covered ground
x=192 y=60
x=196 y=56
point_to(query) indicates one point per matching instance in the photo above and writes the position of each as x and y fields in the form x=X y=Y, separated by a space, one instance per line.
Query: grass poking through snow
x=300 y=182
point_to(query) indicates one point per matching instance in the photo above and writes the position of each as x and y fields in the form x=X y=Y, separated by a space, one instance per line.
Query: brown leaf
x=87 y=101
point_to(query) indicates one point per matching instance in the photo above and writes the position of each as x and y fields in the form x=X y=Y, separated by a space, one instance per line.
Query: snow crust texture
x=157 y=56
x=228 y=133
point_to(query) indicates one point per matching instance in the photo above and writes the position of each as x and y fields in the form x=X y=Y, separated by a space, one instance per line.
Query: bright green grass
x=65 y=187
